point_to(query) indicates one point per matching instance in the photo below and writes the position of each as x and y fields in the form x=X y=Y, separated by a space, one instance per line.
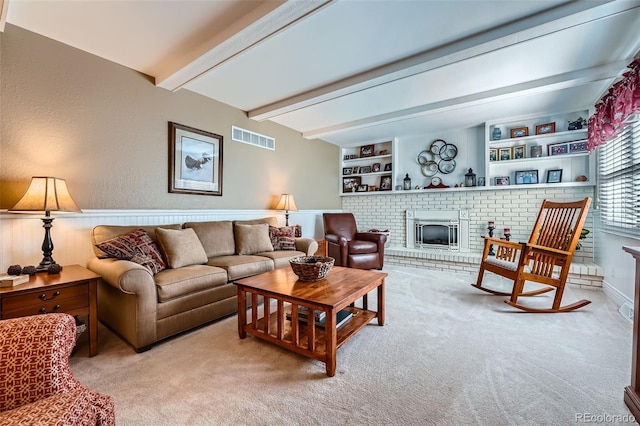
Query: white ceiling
x=349 y=71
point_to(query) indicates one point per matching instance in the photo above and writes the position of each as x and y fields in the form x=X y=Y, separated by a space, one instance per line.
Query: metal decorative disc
x=429 y=168
x=436 y=146
x=448 y=152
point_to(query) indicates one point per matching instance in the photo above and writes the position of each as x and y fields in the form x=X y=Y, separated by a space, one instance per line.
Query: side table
x=72 y=291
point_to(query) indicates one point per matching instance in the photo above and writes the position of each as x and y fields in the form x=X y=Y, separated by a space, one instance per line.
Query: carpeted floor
x=447 y=355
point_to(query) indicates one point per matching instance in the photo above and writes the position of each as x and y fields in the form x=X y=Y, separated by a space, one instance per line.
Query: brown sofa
x=202 y=258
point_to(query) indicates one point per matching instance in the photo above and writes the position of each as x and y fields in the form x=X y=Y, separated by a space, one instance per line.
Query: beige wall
x=103 y=128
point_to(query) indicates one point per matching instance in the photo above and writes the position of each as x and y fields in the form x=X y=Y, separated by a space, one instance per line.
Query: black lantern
x=470 y=178
x=407 y=182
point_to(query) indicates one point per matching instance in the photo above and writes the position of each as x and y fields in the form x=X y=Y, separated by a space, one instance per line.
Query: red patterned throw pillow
x=283 y=238
x=136 y=246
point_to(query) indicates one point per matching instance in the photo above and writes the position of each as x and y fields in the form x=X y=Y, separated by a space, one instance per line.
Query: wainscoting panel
x=21 y=235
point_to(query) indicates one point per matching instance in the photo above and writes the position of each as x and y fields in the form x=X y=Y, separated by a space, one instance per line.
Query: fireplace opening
x=438 y=229
x=431 y=235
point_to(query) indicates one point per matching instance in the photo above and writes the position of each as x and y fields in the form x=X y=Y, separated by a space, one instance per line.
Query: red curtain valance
x=616 y=107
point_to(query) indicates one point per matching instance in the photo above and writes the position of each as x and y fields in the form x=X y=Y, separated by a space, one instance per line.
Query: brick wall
x=514 y=208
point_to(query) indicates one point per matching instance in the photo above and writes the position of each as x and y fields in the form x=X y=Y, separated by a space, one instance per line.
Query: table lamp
x=46 y=194
x=287 y=203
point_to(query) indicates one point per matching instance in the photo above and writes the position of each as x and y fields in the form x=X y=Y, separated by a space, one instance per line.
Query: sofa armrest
x=124 y=275
x=307 y=245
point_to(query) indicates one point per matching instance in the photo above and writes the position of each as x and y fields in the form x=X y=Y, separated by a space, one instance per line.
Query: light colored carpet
x=447 y=355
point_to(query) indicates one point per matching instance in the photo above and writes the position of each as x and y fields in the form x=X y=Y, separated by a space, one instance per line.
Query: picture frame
x=554 y=176
x=366 y=151
x=387 y=167
x=519 y=132
x=578 y=146
x=355 y=170
x=375 y=168
x=362 y=188
x=347 y=170
x=502 y=181
x=543 y=129
x=349 y=183
x=372 y=188
x=519 y=152
x=526 y=177
x=481 y=181
x=195 y=161
x=365 y=169
x=560 y=148
x=493 y=154
x=345 y=157
x=385 y=182
x=504 y=154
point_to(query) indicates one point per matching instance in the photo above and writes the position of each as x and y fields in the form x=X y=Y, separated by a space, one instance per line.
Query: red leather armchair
x=37 y=386
x=350 y=248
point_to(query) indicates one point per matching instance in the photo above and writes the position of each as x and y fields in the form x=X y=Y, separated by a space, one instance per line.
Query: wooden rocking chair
x=545 y=259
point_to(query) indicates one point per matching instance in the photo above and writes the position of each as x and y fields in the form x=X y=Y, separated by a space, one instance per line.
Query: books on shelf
x=12 y=280
x=341 y=317
x=303 y=312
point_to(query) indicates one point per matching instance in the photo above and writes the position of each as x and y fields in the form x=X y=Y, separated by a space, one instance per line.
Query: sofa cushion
x=216 y=237
x=281 y=258
x=240 y=266
x=172 y=283
x=136 y=246
x=362 y=247
x=283 y=238
x=101 y=233
x=181 y=247
x=252 y=239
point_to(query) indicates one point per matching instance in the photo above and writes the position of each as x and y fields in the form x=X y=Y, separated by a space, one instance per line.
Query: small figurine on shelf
x=491 y=227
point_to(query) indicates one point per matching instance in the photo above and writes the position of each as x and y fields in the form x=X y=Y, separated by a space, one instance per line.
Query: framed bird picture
x=195 y=161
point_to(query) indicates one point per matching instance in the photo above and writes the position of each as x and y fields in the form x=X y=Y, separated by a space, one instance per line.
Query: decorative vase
x=407 y=182
x=496 y=134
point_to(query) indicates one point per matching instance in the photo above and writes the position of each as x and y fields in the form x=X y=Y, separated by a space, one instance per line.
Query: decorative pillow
x=251 y=239
x=181 y=247
x=283 y=238
x=136 y=246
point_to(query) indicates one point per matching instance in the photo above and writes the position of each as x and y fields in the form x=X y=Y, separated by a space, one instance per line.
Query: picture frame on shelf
x=519 y=132
x=372 y=188
x=578 y=147
x=365 y=169
x=366 y=151
x=554 y=176
x=536 y=151
x=502 y=180
x=560 y=148
x=504 y=154
x=345 y=157
x=375 y=168
x=493 y=154
x=347 y=170
x=195 y=161
x=481 y=181
x=543 y=129
x=385 y=182
x=387 y=167
x=362 y=188
x=519 y=152
x=355 y=170
x=352 y=157
x=351 y=183
x=526 y=177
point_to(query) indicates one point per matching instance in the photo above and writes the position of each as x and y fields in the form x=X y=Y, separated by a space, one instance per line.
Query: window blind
x=619 y=182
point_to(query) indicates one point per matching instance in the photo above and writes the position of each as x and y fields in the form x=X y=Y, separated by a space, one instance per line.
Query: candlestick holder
x=507 y=234
x=491 y=252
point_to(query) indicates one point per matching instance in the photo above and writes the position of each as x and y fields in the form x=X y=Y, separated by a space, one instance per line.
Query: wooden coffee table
x=340 y=290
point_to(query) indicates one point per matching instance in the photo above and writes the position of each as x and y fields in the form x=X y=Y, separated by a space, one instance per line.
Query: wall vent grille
x=252 y=138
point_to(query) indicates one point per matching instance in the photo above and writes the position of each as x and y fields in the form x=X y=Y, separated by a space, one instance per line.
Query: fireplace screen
x=436 y=235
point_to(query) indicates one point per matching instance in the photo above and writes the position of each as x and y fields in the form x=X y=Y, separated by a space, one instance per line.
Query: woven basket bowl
x=311 y=268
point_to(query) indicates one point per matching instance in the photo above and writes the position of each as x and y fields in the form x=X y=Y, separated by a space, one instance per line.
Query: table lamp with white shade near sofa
x=287 y=203
x=46 y=194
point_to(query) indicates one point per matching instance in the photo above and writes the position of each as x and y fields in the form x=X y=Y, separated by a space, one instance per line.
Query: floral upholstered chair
x=37 y=386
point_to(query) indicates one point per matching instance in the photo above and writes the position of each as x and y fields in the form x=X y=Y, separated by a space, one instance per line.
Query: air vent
x=252 y=138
